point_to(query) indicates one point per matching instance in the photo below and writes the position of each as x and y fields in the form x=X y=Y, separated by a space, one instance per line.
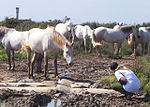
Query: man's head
x=113 y=66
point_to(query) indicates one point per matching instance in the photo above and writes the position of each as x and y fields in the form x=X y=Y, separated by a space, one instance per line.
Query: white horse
x=65 y=29
x=133 y=41
x=11 y=41
x=83 y=33
x=118 y=25
x=143 y=38
x=114 y=35
x=144 y=33
x=45 y=41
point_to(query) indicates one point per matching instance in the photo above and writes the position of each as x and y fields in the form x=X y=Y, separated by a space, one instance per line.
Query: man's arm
x=123 y=80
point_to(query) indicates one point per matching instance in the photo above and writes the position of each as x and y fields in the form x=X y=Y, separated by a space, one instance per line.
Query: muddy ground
x=89 y=68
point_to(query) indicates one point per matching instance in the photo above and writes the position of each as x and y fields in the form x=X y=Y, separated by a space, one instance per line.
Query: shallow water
x=19 y=101
x=53 y=103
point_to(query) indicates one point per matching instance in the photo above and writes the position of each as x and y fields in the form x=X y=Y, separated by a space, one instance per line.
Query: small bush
x=108 y=80
x=147 y=87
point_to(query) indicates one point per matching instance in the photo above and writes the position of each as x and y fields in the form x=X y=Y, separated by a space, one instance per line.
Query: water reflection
x=22 y=101
x=54 y=103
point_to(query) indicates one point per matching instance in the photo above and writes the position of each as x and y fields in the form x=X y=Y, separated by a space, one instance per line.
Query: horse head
x=131 y=39
x=68 y=53
x=5 y=30
x=68 y=24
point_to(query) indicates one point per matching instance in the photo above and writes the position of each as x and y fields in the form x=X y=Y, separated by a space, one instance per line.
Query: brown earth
x=85 y=68
x=89 y=68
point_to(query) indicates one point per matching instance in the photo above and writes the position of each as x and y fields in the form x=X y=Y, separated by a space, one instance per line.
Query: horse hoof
x=99 y=55
x=9 y=68
x=31 y=75
x=28 y=77
x=133 y=55
x=13 y=68
x=89 y=51
x=57 y=77
x=45 y=78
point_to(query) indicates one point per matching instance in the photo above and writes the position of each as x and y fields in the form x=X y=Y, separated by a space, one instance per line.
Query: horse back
x=38 y=39
x=148 y=29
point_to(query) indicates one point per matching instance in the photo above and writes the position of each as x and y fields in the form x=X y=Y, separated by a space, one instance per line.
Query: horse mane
x=127 y=28
x=59 y=39
x=5 y=30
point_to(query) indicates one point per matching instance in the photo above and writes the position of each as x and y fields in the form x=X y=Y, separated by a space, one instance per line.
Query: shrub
x=108 y=80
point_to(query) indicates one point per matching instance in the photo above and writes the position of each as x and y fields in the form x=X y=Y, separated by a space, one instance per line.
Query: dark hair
x=113 y=65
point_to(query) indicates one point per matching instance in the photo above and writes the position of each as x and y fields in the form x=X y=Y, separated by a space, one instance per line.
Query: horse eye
x=67 y=52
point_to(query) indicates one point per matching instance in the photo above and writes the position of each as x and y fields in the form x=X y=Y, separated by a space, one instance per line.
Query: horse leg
x=85 y=48
x=45 y=64
x=143 y=48
x=98 y=51
x=38 y=63
x=114 y=48
x=134 y=49
x=33 y=62
x=72 y=35
x=28 y=61
x=79 y=45
x=55 y=65
x=118 y=48
x=90 y=50
x=9 y=58
x=13 y=60
x=146 y=48
x=120 y=51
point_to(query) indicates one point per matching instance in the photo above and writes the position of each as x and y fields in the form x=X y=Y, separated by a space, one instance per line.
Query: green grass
x=108 y=79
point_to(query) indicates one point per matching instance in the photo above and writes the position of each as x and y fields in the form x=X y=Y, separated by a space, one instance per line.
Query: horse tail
x=94 y=40
x=25 y=43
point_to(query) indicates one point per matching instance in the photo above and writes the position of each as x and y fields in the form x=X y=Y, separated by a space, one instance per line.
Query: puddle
x=21 y=102
x=53 y=103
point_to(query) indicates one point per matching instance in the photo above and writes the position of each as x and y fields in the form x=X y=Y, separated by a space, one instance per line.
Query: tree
x=10 y=23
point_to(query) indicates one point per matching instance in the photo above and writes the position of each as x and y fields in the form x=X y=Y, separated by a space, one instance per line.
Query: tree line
x=26 y=24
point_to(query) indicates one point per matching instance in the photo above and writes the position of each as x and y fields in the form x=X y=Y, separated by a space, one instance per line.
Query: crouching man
x=129 y=82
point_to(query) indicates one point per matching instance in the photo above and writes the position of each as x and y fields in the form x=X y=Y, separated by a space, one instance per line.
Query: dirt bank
x=89 y=68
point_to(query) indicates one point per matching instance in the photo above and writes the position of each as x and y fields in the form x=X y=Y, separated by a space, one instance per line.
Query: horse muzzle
x=70 y=31
x=70 y=64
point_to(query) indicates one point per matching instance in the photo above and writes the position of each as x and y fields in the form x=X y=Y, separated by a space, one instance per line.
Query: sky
x=80 y=11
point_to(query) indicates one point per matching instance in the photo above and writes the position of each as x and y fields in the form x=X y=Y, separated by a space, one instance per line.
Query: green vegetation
x=142 y=69
x=108 y=80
